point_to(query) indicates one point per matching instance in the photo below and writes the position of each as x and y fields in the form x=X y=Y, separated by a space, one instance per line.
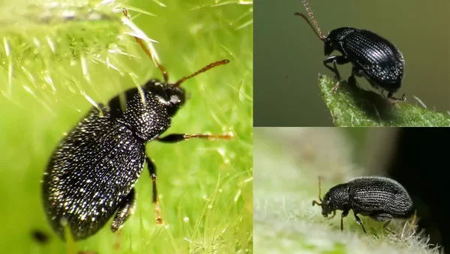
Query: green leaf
x=353 y=106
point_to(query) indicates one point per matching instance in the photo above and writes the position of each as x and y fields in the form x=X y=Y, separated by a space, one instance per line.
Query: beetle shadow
x=376 y=107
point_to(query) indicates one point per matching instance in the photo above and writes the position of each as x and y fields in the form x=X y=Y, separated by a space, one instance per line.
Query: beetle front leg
x=343 y=214
x=173 y=138
x=124 y=211
x=358 y=220
x=335 y=60
x=152 y=171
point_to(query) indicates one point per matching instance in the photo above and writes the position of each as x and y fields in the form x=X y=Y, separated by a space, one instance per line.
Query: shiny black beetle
x=372 y=56
x=380 y=198
x=91 y=175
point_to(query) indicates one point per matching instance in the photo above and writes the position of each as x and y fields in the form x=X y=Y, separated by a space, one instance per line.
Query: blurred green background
x=55 y=56
x=288 y=56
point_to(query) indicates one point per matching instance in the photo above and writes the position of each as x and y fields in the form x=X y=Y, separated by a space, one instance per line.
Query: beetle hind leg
x=126 y=208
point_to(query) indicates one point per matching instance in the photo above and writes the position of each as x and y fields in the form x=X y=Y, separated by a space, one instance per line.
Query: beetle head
x=172 y=97
x=336 y=198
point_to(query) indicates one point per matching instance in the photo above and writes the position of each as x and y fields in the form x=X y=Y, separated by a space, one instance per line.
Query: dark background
x=421 y=163
x=288 y=56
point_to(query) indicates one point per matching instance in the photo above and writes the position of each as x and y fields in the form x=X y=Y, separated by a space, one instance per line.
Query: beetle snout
x=325 y=211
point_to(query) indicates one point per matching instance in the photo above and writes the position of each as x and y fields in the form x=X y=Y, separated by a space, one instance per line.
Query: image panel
x=92 y=95
x=380 y=60
x=393 y=179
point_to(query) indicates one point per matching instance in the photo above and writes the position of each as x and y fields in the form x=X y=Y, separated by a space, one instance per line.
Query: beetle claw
x=158 y=218
x=336 y=87
x=395 y=100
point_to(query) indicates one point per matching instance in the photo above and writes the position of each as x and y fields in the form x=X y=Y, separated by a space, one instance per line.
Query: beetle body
x=91 y=174
x=94 y=168
x=380 y=198
x=372 y=56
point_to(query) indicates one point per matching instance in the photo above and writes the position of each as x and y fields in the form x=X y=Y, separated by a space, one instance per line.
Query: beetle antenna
x=207 y=67
x=320 y=189
x=144 y=46
x=312 y=22
x=319 y=203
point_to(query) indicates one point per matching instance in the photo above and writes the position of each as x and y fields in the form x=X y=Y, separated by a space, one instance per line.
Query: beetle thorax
x=337 y=198
x=335 y=37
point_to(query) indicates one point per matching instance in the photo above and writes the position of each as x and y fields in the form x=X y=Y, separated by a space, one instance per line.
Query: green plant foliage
x=57 y=58
x=352 y=106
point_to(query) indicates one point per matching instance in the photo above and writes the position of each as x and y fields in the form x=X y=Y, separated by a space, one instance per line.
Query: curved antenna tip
x=311 y=20
x=207 y=67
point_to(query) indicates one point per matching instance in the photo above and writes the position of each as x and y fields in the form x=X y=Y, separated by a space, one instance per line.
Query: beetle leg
x=396 y=99
x=152 y=171
x=343 y=214
x=177 y=137
x=124 y=211
x=335 y=60
x=358 y=220
x=332 y=215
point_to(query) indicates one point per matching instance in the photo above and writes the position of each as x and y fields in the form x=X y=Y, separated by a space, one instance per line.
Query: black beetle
x=372 y=56
x=91 y=174
x=380 y=198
